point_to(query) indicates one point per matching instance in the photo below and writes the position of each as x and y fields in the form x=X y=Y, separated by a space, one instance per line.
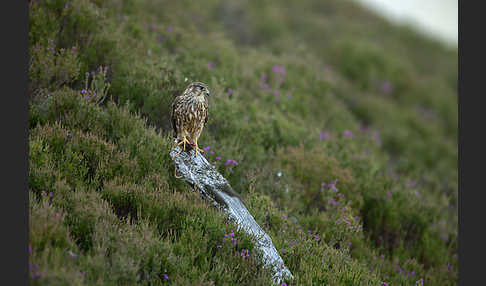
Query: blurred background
x=337 y=124
x=436 y=18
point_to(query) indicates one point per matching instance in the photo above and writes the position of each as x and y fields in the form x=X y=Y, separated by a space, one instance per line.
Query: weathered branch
x=214 y=187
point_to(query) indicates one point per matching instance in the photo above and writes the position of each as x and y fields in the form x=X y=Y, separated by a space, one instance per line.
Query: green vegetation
x=342 y=128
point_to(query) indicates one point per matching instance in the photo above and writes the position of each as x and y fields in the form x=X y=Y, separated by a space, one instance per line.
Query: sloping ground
x=338 y=129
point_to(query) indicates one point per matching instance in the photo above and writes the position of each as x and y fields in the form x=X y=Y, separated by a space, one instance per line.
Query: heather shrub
x=50 y=69
x=337 y=128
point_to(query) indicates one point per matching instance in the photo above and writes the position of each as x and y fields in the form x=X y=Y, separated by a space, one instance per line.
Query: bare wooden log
x=197 y=171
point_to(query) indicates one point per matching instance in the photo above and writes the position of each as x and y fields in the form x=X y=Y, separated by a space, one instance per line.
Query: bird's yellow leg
x=197 y=149
x=184 y=140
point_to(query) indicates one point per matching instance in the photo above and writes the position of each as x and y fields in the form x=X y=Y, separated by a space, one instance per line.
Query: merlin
x=190 y=114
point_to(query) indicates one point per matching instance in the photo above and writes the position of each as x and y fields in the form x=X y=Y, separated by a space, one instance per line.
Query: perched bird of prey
x=190 y=114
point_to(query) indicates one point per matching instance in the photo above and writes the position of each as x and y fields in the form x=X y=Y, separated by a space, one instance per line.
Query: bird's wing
x=173 y=115
x=206 y=110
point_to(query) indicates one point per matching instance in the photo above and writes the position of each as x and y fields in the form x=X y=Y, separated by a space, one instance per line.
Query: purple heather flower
x=385 y=284
x=50 y=194
x=43 y=193
x=323 y=136
x=411 y=184
x=413 y=273
x=376 y=135
x=285 y=284
x=214 y=163
x=36 y=266
x=160 y=38
x=87 y=97
x=219 y=246
x=382 y=256
x=230 y=91
x=30 y=249
x=347 y=133
x=399 y=269
x=227 y=162
x=284 y=217
x=276 y=93
x=67 y=5
x=152 y=27
x=388 y=194
x=36 y=275
x=210 y=65
x=279 y=69
x=265 y=85
x=166 y=277
x=235 y=162
x=332 y=187
x=206 y=148
x=387 y=87
x=170 y=29
x=288 y=95
x=84 y=90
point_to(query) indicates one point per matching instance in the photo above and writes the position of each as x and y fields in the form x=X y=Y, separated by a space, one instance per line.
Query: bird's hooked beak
x=206 y=92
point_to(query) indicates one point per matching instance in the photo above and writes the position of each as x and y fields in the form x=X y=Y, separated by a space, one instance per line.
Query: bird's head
x=198 y=89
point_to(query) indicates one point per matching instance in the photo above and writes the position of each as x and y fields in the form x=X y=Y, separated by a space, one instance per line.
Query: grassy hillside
x=342 y=128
